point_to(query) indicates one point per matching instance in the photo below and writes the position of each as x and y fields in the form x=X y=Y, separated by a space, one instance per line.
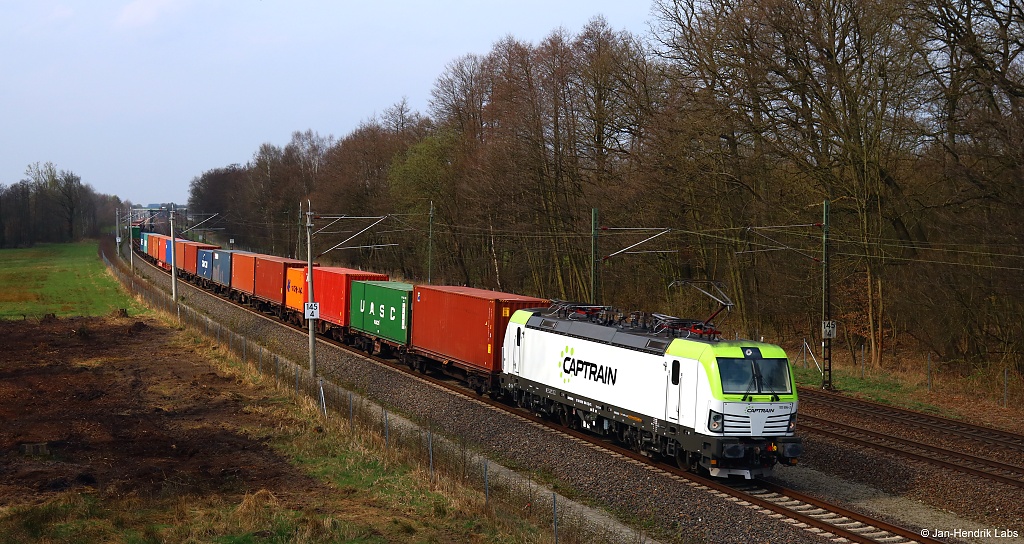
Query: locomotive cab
x=744 y=409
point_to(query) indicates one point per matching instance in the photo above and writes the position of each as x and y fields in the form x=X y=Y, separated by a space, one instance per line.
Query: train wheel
x=683 y=459
x=564 y=417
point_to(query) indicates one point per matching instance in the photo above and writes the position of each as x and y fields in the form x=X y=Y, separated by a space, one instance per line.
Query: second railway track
x=979 y=433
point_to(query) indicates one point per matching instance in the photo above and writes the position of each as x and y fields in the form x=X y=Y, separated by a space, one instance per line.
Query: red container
x=332 y=288
x=270 y=277
x=187 y=255
x=161 y=255
x=155 y=248
x=463 y=325
x=243 y=272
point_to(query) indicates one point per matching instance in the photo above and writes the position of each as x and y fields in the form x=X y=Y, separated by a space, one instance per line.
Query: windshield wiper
x=753 y=382
x=757 y=370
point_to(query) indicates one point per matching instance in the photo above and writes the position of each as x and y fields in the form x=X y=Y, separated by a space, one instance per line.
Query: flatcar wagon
x=380 y=313
x=463 y=329
x=332 y=287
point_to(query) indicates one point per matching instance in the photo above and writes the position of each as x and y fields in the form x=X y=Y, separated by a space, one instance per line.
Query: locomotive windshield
x=754 y=376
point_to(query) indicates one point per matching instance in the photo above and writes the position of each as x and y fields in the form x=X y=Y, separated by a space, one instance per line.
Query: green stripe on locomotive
x=708 y=353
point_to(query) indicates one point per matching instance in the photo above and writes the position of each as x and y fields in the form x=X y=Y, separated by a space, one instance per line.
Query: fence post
x=387 y=433
x=554 y=510
x=323 y=401
x=487 y=487
x=862 y=361
x=929 y=372
x=430 y=452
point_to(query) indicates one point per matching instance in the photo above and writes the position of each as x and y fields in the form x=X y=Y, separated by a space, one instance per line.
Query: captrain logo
x=562 y=357
x=569 y=367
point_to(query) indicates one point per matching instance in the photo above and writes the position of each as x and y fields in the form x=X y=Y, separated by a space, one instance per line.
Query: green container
x=136 y=233
x=382 y=309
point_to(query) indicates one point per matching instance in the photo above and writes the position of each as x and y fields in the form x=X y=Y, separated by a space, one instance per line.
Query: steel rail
x=875 y=440
x=982 y=433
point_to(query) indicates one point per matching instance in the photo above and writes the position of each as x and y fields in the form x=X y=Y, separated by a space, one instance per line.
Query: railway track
x=987 y=435
x=828 y=520
x=816 y=516
x=945 y=458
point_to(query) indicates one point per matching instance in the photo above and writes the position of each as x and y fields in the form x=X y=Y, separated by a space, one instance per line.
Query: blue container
x=220 y=266
x=204 y=263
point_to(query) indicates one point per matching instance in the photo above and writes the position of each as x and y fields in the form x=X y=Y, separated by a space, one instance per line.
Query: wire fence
x=449 y=462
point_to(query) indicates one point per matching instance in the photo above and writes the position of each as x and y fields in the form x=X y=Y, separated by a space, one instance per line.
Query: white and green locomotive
x=673 y=388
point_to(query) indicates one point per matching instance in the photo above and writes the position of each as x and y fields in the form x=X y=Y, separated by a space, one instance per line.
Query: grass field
x=61 y=279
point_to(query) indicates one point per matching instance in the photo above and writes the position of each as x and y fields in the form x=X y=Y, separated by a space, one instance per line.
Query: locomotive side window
x=519 y=336
x=675 y=372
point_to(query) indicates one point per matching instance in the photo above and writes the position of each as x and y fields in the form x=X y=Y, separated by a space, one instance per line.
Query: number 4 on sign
x=312 y=310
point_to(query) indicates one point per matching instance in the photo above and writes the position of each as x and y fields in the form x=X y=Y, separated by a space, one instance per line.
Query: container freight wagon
x=204 y=267
x=463 y=329
x=331 y=288
x=155 y=247
x=271 y=275
x=243 y=276
x=186 y=255
x=163 y=252
x=220 y=269
x=169 y=258
x=381 y=311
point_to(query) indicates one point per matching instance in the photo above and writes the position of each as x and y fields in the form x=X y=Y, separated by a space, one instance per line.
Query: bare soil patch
x=124 y=407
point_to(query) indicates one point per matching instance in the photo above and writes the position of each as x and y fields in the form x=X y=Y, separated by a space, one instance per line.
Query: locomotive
x=670 y=387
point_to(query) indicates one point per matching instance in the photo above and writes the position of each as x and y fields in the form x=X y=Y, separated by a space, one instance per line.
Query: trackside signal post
x=312 y=309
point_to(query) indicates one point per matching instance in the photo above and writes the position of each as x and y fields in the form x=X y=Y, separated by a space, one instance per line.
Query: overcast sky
x=139 y=97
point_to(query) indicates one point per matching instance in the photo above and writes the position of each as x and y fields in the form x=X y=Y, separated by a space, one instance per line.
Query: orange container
x=463 y=325
x=243 y=272
x=271 y=276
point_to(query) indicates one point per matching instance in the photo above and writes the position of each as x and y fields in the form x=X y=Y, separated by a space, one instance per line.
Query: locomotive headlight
x=792 y=422
x=715 y=422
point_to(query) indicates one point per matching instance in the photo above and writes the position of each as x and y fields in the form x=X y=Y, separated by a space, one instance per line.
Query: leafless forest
x=730 y=123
